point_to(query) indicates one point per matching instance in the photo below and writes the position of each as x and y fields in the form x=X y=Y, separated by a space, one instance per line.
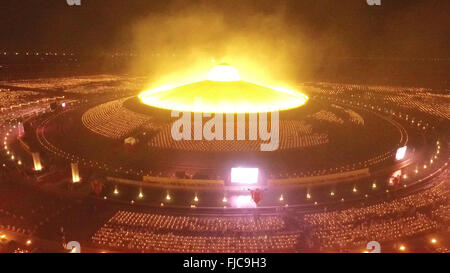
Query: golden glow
x=75 y=173
x=37 y=162
x=223 y=73
x=223 y=92
x=433 y=241
x=402 y=248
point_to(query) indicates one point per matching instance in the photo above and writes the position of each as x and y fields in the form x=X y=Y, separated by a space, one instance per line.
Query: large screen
x=400 y=154
x=244 y=175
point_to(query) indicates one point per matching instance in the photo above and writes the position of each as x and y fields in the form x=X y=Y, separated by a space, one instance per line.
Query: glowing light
x=223 y=73
x=308 y=196
x=37 y=162
x=374 y=185
x=433 y=241
x=332 y=193
x=75 y=173
x=354 y=189
x=211 y=96
x=400 y=154
x=168 y=197
x=224 y=199
x=281 y=198
x=116 y=190
x=242 y=201
x=244 y=175
x=140 y=195
x=28 y=242
x=196 y=199
x=402 y=248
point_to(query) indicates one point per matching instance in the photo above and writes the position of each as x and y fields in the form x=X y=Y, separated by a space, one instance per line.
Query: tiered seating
x=10 y=98
x=112 y=120
x=139 y=239
x=339 y=236
x=442 y=213
x=327 y=117
x=293 y=135
x=386 y=221
x=420 y=99
x=355 y=117
x=196 y=223
x=426 y=198
x=165 y=233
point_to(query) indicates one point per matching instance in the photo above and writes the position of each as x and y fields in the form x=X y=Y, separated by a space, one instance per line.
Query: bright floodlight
x=244 y=175
x=400 y=154
x=242 y=201
x=223 y=73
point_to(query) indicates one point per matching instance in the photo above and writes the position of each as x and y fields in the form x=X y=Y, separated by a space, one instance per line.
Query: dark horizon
x=396 y=29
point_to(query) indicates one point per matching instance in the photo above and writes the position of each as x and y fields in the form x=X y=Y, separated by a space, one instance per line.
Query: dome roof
x=223 y=97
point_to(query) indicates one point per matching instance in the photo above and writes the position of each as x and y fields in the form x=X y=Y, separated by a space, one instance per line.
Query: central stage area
x=318 y=138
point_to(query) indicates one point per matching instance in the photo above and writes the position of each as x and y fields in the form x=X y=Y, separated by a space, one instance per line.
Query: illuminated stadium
x=120 y=152
x=232 y=156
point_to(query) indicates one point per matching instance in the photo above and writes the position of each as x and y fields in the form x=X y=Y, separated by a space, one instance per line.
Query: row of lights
x=196 y=199
x=38 y=53
x=7 y=151
x=402 y=247
x=388 y=111
x=4 y=237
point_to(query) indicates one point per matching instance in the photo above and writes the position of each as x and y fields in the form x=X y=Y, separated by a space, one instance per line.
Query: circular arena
x=348 y=164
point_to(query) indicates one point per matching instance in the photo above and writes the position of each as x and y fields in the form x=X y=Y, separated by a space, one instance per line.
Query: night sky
x=395 y=29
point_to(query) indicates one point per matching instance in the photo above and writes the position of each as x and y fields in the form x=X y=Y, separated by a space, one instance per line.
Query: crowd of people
x=162 y=222
x=112 y=120
x=384 y=220
x=9 y=98
x=134 y=237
